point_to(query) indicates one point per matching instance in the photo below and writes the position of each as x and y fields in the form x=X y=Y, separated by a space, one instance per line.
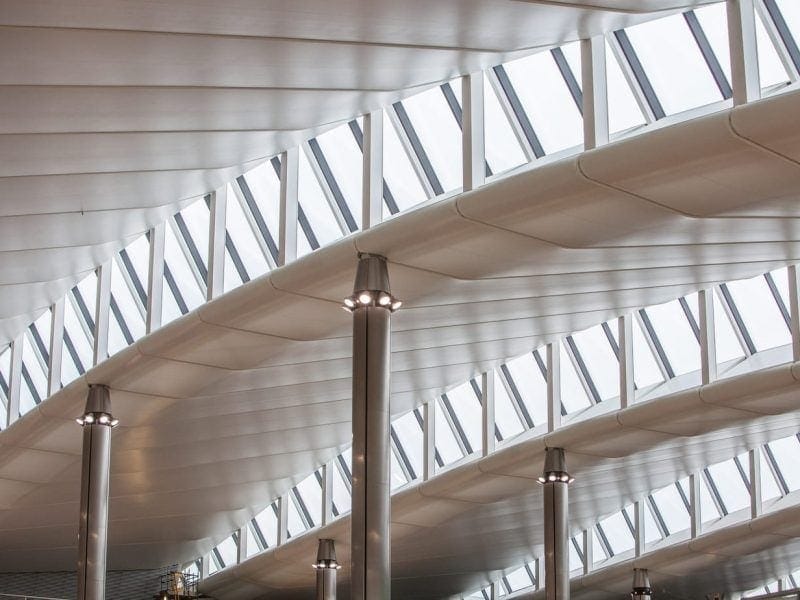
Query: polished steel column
x=371 y=305
x=97 y=422
x=326 y=567
x=556 y=480
x=641 y=585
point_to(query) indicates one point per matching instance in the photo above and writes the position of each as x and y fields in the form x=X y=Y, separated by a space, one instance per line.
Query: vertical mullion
x=155 y=277
x=388 y=197
x=594 y=98
x=744 y=51
x=102 y=308
x=627 y=385
x=553 y=387
x=372 y=184
x=708 y=341
x=475 y=168
x=794 y=310
x=289 y=205
x=215 y=276
x=488 y=426
x=14 y=380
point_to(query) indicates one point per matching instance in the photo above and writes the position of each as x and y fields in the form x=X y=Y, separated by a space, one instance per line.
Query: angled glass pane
x=728 y=345
x=760 y=312
x=34 y=378
x=137 y=254
x=598 y=551
x=672 y=508
x=252 y=541
x=623 y=110
x=651 y=533
x=617 y=533
x=183 y=275
x=505 y=415
x=5 y=378
x=315 y=205
x=193 y=224
x=76 y=356
x=227 y=550
x=126 y=320
x=409 y=433
x=769 y=486
x=439 y=133
x=573 y=394
x=503 y=151
x=730 y=485
x=341 y=491
x=468 y=410
x=264 y=186
x=708 y=508
x=600 y=360
x=267 y=521
x=296 y=525
x=531 y=385
x=645 y=367
x=345 y=160
x=676 y=336
x=547 y=101
x=674 y=64
x=85 y=294
x=243 y=237
x=575 y=561
x=398 y=476
x=786 y=452
x=770 y=67
x=790 y=9
x=398 y=172
x=446 y=443
x=714 y=21
x=519 y=579
x=310 y=492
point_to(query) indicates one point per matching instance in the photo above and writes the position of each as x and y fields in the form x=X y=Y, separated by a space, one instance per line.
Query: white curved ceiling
x=113 y=112
x=459 y=530
x=254 y=386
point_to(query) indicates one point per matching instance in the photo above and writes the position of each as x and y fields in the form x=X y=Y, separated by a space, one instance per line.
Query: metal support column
x=641 y=585
x=326 y=567
x=556 y=480
x=372 y=305
x=97 y=422
x=241 y=543
x=326 y=512
x=283 y=519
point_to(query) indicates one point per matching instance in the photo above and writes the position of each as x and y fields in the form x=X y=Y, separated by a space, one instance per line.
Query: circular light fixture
x=365 y=298
x=384 y=299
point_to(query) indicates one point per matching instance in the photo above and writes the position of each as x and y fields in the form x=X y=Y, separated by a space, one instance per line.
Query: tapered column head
x=371 y=287
x=98 y=407
x=555 y=467
x=326 y=555
x=641 y=585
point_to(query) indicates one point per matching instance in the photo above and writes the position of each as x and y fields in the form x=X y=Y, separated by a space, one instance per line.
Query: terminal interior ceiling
x=147 y=151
